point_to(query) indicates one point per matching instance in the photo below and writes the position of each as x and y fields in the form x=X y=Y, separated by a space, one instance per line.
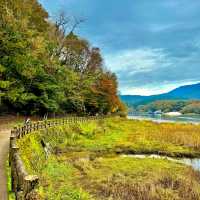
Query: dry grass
x=90 y=170
x=133 y=179
x=128 y=136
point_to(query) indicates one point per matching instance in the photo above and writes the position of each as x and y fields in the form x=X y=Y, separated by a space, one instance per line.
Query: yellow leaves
x=114 y=109
x=24 y=24
x=29 y=72
x=38 y=45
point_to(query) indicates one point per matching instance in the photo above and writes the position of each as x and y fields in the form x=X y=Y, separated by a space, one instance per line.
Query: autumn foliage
x=45 y=69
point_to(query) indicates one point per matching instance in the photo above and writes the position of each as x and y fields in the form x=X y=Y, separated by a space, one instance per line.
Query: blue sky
x=152 y=45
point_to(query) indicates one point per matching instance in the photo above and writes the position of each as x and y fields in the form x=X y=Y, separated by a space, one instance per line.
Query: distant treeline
x=184 y=107
x=46 y=68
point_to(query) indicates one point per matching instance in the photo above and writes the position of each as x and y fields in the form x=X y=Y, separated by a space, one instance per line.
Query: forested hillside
x=44 y=69
x=186 y=92
x=185 y=107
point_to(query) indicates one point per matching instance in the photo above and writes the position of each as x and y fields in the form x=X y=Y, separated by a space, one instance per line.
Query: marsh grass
x=56 y=177
x=128 y=136
x=84 y=165
x=125 y=178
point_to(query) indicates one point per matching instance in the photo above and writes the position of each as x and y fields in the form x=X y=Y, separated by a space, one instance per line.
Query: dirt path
x=4 y=146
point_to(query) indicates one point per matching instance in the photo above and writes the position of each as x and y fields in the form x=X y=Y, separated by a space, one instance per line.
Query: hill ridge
x=185 y=92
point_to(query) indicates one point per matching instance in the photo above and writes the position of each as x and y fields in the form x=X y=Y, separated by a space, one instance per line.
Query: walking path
x=4 y=147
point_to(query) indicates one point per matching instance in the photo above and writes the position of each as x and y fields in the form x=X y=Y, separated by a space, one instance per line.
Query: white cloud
x=148 y=71
x=161 y=27
x=152 y=89
x=137 y=60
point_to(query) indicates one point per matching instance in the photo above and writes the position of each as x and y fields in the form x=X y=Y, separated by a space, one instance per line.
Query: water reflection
x=163 y=118
x=194 y=163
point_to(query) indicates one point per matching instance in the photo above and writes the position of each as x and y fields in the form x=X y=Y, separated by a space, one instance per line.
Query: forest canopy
x=43 y=69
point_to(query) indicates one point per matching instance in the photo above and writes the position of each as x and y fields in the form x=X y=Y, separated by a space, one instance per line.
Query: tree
x=43 y=69
x=64 y=25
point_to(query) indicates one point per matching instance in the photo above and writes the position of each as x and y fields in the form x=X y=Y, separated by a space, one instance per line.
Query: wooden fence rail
x=24 y=184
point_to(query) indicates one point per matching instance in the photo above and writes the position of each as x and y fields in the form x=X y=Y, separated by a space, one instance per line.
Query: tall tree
x=44 y=70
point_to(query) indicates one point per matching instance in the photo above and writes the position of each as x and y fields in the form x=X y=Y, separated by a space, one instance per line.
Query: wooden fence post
x=30 y=182
x=21 y=172
x=34 y=126
x=12 y=143
x=14 y=151
x=37 y=126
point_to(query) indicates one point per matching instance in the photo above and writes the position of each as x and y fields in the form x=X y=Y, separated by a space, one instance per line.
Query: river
x=195 y=119
x=193 y=162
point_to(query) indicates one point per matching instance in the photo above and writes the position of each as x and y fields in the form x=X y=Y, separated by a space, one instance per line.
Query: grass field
x=127 y=136
x=86 y=164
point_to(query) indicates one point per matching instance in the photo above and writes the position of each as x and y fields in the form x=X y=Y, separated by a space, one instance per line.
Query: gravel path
x=4 y=146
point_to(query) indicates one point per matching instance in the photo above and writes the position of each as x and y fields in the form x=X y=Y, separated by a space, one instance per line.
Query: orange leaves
x=106 y=87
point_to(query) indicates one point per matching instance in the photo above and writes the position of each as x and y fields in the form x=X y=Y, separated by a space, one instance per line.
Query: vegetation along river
x=195 y=119
x=193 y=162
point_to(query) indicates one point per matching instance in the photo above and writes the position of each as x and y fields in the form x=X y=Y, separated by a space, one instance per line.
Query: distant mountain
x=187 y=92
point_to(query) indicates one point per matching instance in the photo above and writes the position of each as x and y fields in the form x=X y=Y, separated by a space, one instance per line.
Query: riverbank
x=85 y=161
x=161 y=118
x=117 y=135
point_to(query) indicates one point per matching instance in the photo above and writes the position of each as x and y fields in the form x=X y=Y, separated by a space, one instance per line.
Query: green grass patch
x=84 y=165
x=116 y=134
x=11 y=195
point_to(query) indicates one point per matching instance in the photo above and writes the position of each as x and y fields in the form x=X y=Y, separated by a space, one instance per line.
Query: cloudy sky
x=152 y=45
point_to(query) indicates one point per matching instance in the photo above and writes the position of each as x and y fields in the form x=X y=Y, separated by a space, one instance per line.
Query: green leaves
x=4 y=84
x=44 y=71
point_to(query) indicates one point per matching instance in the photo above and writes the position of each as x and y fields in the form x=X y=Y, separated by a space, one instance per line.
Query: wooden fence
x=24 y=184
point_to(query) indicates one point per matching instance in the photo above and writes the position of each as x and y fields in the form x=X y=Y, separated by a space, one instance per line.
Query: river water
x=194 y=163
x=195 y=119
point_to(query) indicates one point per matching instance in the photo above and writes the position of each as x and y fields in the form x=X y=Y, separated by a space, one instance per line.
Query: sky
x=152 y=45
